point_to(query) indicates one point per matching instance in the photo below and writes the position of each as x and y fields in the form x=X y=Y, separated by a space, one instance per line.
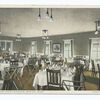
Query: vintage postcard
x=50 y=49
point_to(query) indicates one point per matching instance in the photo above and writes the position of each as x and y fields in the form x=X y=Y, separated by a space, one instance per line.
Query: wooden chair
x=99 y=76
x=67 y=85
x=14 y=63
x=53 y=79
x=77 y=83
x=10 y=78
x=93 y=69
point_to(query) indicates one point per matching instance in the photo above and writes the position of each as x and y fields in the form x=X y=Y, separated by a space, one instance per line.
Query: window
x=47 y=47
x=6 y=45
x=67 y=48
x=95 y=48
x=34 y=47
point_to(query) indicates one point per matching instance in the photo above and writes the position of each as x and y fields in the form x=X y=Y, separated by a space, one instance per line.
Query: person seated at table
x=77 y=78
x=40 y=66
x=79 y=75
x=71 y=69
x=36 y=64
x=48 y=61
x=86 y=66
x=42 y=62
x=65 y=60
x=38 y=78
x=20 y=64
x=7 y=84
x=25 y=61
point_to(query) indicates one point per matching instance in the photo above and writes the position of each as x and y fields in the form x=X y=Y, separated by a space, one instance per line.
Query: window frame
x=5 y=47
x=71 y=42
x=35 y=47
x=45 y=47
x=96 y=51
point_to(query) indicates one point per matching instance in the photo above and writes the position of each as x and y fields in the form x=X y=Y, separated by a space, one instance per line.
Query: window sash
x=95 y=49
x=67 y=48
x=6 y=45
x=34 y=47
x=47 y=48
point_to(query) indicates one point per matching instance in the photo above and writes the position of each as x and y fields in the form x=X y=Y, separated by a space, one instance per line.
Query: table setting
x=67 y=73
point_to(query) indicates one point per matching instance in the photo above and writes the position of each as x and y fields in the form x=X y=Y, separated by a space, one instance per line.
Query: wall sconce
x=45 y=34
x=97 y=27
x=18 y=37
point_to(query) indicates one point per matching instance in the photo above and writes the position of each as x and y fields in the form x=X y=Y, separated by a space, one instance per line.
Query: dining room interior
x=54 y=49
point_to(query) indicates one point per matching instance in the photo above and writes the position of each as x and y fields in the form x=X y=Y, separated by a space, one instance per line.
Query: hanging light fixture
x=97 y=27
x=39 y=16
x=51 y=17
x=45 y=34
x=18 y=37
x=48 y=15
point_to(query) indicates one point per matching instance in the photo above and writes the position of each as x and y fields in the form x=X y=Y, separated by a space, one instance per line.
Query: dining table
x=6 y=65
x=2 y=67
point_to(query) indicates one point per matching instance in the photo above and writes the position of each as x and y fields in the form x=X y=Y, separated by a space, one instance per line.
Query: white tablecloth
x=41 y=77
x=2 y=66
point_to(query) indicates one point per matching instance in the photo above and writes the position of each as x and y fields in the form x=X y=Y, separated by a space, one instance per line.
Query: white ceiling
x=66 y=20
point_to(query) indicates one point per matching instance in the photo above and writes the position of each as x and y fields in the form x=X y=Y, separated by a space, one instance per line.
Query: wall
x=81 y=42
x=66 y=20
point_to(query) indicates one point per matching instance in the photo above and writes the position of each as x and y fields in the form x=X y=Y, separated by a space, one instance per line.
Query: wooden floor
x=26 y=80
x=91 y=82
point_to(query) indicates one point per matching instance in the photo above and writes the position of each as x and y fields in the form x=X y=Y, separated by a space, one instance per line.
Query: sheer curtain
x=95 y=48
x=34 y=47
x=47 y=45
x=68 y=48
x=6 y=45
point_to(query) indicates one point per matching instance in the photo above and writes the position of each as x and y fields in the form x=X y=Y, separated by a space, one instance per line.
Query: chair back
x=93 y=69
x=79 y=77
x=14 y=63
x=98 y=67
x=99 y=76
x=93 y=66
x=78 y=82
x=53 y=77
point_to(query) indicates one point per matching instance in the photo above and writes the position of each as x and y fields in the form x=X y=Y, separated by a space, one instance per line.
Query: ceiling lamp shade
x=18 y=37
x=39 y=15
x=96 y=32
x=45 y=34
x=48 y=15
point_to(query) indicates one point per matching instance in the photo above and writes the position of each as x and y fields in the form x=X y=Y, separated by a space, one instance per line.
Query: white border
x=44 y=4
x=51 y=2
